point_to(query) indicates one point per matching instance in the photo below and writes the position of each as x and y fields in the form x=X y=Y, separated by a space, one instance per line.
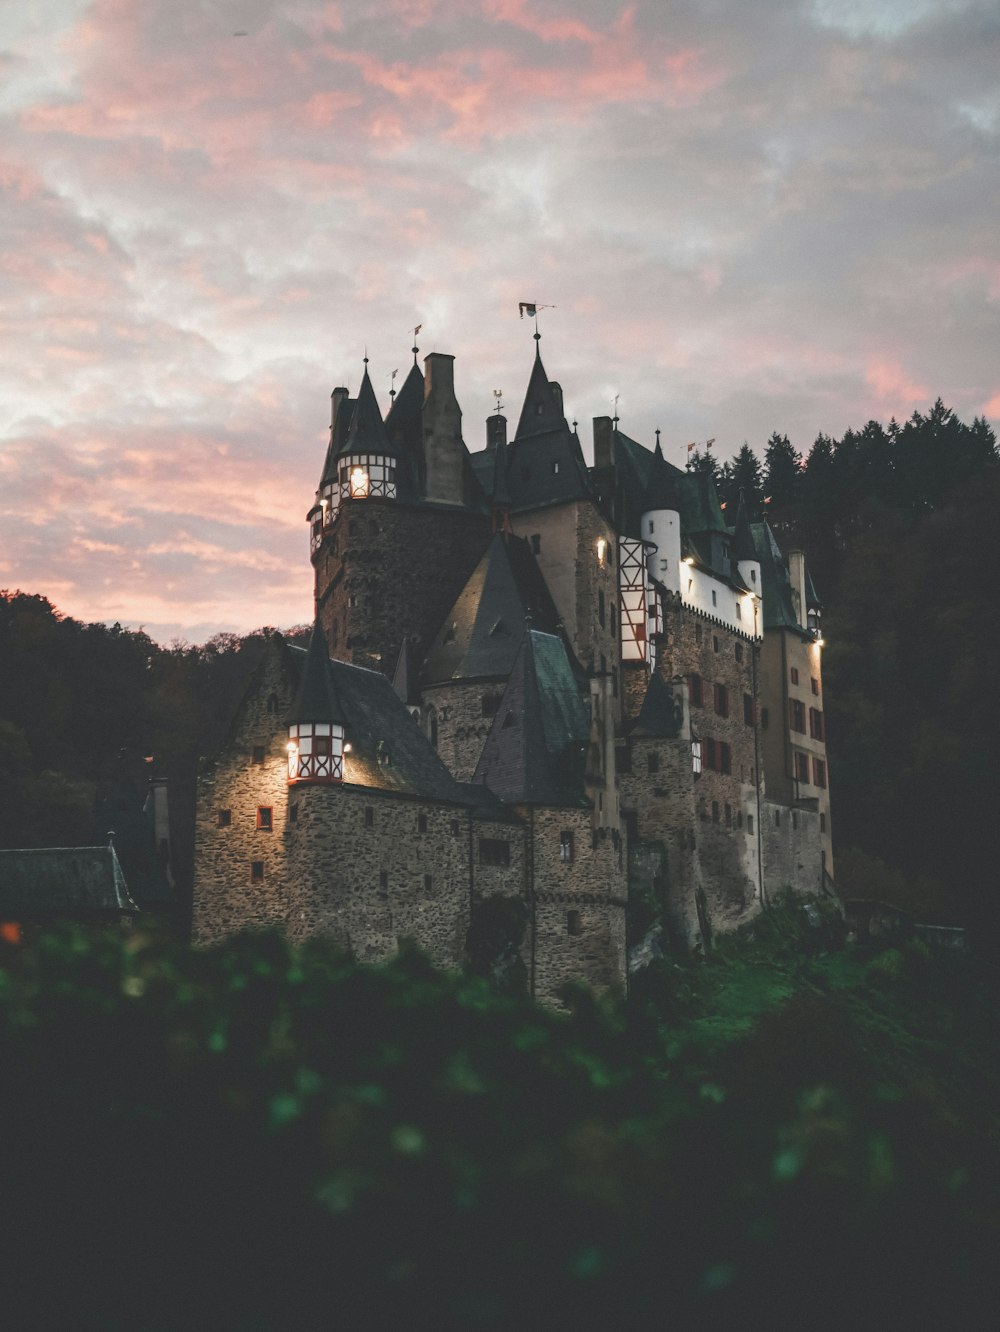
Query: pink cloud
x=992 y=408
x=892 y=387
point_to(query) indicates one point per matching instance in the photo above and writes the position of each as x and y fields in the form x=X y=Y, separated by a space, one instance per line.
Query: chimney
x=797 y=574
x=604 y=449
x=496 y=431
x=442 y=422
x=336 y=398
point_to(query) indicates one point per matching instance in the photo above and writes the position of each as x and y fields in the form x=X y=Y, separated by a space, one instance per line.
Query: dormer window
x=315 y=752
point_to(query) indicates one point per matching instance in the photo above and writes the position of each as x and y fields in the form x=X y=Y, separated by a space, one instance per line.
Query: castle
x=576 y=692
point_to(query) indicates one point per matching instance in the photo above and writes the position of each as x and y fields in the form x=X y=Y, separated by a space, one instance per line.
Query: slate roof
x=482 y=633
x=776 y=588
x=389 y=751
x=316 y=699
x=545 y=463
x=535 y=751
x=50 y=882
x=663 y=483
x=743 y=547
x=366 y=432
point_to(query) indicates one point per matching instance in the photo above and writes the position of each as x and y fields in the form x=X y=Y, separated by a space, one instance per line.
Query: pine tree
x=782 y=472
x=748 y=478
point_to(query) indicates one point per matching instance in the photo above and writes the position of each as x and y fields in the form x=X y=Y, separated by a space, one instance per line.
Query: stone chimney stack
x=797 y=574
x=442 y=423
x=336 y=398
x=496 y=431
x=604 y=449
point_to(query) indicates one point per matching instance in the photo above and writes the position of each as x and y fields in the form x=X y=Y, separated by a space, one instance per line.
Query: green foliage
x=253 y=1136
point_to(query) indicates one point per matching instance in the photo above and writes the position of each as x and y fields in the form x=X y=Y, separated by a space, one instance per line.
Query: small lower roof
x=62 y=881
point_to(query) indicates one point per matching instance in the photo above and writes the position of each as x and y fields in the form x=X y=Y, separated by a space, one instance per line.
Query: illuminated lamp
x=347 y=747
x=689 y=559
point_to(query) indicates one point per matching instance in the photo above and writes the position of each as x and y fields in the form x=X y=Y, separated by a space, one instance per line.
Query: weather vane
x=498 y=394
x=531 y=308
x=392 y=384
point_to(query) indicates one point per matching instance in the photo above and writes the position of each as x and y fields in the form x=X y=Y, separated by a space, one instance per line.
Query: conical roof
x=367 y=432
x=659 y=715
x=661 y=487
x=404 y=421
x=542 y=410
x=317 y=700
x=743 y=547
x=483 y=631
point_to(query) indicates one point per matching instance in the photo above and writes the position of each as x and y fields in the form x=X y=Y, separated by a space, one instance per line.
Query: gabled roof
x=366 y=432
x=535 y=751
x=661 y=715
x=75 y=881
x=316 y=699
x=483 y=631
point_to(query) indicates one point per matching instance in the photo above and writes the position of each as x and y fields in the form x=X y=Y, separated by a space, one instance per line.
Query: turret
x=363 y=465
x=316 y=720
x=743 y=552
x=661 y=524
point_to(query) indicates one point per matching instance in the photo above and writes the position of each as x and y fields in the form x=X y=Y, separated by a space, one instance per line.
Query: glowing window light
x=602 y=550
x=360 y=483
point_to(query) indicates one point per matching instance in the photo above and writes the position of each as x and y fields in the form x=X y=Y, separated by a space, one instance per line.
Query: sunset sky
x=748 y=217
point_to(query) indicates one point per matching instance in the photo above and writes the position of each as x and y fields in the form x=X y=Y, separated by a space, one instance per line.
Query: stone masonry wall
x=387 y=570
x=226 y=895
x=579 y=905
x=462 y=727
x=792 y=850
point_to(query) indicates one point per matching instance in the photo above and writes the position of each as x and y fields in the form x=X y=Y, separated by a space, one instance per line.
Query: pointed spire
x=661 y=488
x=743 y=544
x=542 y=409
x=317 y=700
x=367 y=432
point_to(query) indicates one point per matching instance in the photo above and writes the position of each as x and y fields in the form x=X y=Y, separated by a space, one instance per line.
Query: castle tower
x=399 y=521
x=316 y=720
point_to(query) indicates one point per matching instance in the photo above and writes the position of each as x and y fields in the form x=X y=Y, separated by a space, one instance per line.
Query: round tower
x=316 y=720
x=661 y=524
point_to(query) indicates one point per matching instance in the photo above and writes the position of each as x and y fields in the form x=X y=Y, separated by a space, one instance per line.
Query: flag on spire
x=527 y=308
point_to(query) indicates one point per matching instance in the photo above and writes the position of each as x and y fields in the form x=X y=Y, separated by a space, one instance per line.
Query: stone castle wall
x=386 y=570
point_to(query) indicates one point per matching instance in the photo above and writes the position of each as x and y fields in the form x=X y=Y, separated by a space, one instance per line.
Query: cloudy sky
x=748 y=217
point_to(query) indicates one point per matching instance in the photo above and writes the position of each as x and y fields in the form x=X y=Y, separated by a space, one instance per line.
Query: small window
x=822 y=823
x=814 y=683
x=697 y=633
x=715 y=643
x=777 y=818
x=696 y=757
x=696 y=690
x=573 y=922
x=421 y=823
x=816 y=724
x=795 y=675
x=428 y=883
x=258 y=754
x=293 y=814
x=801 y=767
x=566 y=847
x=721 y=700
x=225 y=818
x=536 y=544
x=653 y=762
x=715 y=599
x=555 y=469
x=600 y=608
x=797 y=715
x=748 y=709
x=795 y=818
x=265 y=818
x=708 y=752
x=739 y=646
x=256 y=871
x=369 y=817
x=750 y=824
x=383 y=879
x=819 y=773
x=725 y=758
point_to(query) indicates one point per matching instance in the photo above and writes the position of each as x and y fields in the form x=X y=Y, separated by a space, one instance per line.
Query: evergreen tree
x=706 y=462
x=782 y=473
x=748 y=478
